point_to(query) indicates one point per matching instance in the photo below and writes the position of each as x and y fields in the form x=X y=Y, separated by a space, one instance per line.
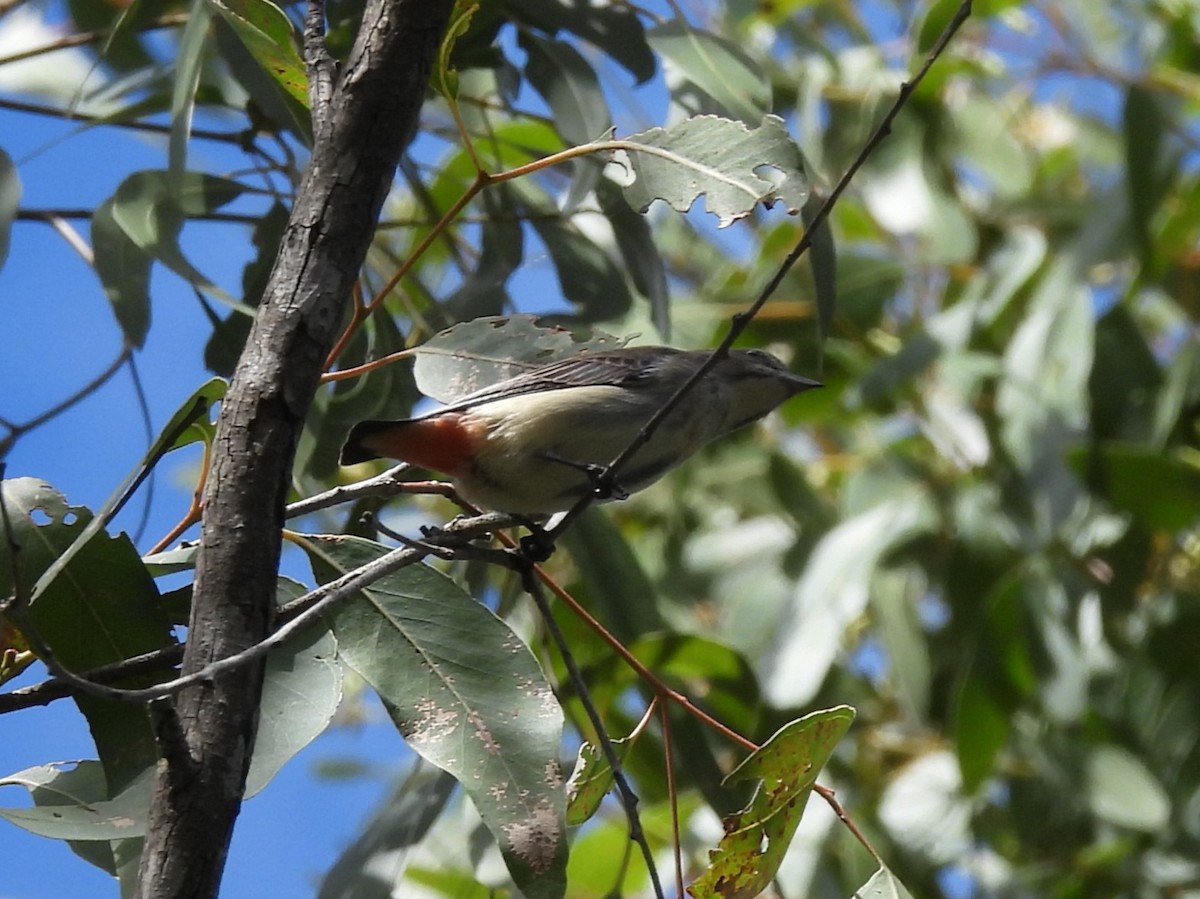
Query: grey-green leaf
x=717 y=66
x=719 y=159
x=467 y=695
x=10 y=198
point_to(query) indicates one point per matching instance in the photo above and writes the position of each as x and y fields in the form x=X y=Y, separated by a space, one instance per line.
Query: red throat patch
x=444 y=443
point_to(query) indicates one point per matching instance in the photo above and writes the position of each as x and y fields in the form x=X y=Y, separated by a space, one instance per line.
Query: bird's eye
x=762 y=356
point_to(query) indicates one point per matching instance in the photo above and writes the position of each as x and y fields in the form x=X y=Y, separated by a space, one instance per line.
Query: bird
x=534 y=444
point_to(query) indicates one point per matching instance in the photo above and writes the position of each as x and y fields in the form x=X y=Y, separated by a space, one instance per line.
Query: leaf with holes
x=467 y=695
x=756 y=838
x=70 y=803
x=719 y=159
x=101 y=607
x=591 y=780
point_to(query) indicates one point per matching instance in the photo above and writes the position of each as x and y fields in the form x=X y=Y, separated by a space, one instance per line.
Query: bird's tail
x=358 y=445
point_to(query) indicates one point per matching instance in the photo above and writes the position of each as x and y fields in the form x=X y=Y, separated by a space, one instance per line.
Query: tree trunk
x=362 y=122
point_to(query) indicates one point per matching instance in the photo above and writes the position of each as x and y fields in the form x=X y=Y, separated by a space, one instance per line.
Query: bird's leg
x=538 y=544
x=604 y=485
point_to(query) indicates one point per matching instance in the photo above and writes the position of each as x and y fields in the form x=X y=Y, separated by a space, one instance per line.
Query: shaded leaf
x=466 y=694
x=718 y=159
x=374 y=864
x=717 y=66
x=834 y=590
x=102 y=607
x=476 y=354
x=189 y=63
x=639 y=253
x=1161 y=491
x=587 y=275
x=615 y=29
x=10 y=200
x=1145 y=124
x=150 y=207
x=822 y=256
x=124 y=271
x=756 y=839
x=502 y=249
x=570 y=87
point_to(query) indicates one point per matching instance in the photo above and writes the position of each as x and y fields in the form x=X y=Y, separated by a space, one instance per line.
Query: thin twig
x=17 y=430
x=672 y=794
x=81 y=38
x=532 y=584
x=741 y=320
x=384 y=485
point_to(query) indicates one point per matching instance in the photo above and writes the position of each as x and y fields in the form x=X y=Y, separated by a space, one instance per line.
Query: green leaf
x=591 y=780
x=71 y=803
x=268 y=34
x=882 y=885
x=639 y=253
x=466 y=694
x=10 y=200
x=124 y=271
x=476 y=354
x=302 y=688
x=103 y=607
x=1121 y=790
x=587 y=275
x=388 y=839
x=566 y=80
x=756 y=838
x=717 y=66
x=717 y=159
x=614 y=29
x=192 y=421
x=822 y=256
x=444 y=74
x=834 y=591
x=1161 y=491
x=151 y=207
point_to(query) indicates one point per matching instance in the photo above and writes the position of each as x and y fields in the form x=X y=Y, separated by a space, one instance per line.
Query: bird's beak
x=800 y=383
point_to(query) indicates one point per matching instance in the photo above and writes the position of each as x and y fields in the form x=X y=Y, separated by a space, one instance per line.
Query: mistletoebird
x=533 y=444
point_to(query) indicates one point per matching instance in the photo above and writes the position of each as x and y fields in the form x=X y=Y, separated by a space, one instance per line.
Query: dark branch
x=361 y=128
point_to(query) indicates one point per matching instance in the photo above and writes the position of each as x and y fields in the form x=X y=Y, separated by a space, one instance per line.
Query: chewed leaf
x=757 y=837
x=591 y=780
x=718 y=159
x=70 y=803
x=485 y=351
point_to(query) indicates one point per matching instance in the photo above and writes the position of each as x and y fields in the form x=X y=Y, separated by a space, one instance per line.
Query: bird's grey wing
x=622 y=367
